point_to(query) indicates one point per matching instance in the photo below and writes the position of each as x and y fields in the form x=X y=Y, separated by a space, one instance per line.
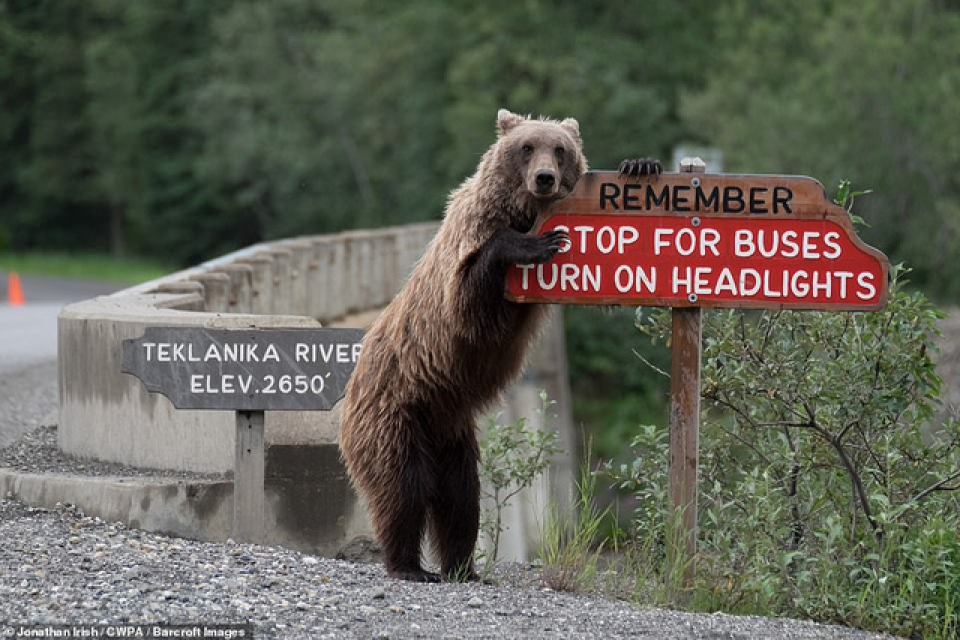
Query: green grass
x=87 y=266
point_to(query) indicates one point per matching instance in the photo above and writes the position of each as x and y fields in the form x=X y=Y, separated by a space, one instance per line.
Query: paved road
x=28 y=349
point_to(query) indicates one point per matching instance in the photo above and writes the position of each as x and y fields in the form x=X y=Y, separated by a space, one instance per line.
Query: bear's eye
x=559 y=152
x=526 y=149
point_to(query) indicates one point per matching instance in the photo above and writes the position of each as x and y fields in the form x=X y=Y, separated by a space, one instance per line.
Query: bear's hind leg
x=455 y=510
x=401 y=520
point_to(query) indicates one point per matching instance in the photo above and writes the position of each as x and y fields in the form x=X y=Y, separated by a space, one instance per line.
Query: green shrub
x=512 y=457
x=827 y=480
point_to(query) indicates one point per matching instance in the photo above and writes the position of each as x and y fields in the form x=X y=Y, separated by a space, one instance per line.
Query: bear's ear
x=572 y=127
x=507 y=121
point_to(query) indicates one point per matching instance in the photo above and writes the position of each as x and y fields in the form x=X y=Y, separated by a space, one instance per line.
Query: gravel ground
x=27 y=397
x=61 y=567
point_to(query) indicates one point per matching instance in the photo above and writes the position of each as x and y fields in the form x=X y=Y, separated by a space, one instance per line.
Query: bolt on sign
x=704 y=240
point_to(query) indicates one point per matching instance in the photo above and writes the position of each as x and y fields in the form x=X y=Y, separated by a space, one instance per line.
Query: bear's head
x=540 y=160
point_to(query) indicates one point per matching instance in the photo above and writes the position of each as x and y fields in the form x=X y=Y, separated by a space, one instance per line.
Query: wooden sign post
x=691 y=240
x=249 y=371
x=249 y=469
x=685 y=340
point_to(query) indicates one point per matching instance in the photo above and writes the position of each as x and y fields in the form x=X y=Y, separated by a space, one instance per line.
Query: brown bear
x=447 y=346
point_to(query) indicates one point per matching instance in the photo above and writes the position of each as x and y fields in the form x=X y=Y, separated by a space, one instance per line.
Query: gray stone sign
x=245 y=369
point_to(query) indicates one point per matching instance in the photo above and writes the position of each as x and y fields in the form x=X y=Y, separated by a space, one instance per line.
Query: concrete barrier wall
x=303 y=282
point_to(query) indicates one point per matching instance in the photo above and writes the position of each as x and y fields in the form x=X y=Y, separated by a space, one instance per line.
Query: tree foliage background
x=186 y=128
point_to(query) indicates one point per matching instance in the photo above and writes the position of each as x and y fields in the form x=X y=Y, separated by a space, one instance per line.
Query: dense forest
x=186 y=128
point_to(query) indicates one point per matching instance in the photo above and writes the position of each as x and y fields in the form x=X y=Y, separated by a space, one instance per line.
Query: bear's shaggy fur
x=447 y=346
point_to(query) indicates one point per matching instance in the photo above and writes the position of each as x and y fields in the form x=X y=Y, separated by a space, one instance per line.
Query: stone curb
x=195 y=509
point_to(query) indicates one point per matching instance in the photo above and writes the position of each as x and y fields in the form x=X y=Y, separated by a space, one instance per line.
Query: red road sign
x=704 y=240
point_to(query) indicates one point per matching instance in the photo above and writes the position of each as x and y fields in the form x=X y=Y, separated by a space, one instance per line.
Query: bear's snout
x=545 y=182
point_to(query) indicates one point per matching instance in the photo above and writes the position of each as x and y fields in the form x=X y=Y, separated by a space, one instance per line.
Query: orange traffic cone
x=14 y=290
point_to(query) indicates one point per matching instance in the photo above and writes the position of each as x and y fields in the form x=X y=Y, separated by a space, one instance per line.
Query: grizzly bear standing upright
x=449 y=343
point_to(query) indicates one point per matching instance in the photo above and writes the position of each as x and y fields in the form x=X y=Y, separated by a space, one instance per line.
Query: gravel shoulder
x=62 y=567
x=28 y=397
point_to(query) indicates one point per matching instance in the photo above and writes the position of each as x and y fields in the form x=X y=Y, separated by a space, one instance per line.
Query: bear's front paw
x=548 y=245
x=636 y=167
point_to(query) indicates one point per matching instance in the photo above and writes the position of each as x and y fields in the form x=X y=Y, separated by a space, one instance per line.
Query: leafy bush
x=513 y=456
x=827 y=485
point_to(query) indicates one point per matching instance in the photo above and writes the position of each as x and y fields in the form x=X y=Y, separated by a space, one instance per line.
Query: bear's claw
x=549 y=244
x=636 y=167
x=556 y=238
x=415 y=575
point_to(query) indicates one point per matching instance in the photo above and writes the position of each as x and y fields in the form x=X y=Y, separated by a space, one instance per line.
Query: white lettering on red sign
x=788 y=262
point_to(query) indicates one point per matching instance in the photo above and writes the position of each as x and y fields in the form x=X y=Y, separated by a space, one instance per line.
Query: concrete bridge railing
x=330 y=280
